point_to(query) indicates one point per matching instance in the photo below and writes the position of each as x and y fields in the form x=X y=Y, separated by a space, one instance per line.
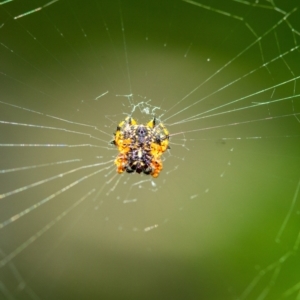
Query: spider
x=140 y=146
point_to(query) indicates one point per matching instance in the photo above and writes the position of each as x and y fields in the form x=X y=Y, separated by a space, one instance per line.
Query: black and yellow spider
x=140 y=146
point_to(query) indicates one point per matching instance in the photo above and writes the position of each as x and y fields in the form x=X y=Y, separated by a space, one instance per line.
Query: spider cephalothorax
x=140 y=146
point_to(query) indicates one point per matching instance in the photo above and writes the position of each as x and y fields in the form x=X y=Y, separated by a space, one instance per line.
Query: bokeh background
x=222 y=219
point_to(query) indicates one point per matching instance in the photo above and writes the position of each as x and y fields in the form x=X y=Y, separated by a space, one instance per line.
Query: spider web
x=222 y=219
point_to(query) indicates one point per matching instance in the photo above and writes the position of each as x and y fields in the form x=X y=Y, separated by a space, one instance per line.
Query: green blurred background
x=229 y=181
